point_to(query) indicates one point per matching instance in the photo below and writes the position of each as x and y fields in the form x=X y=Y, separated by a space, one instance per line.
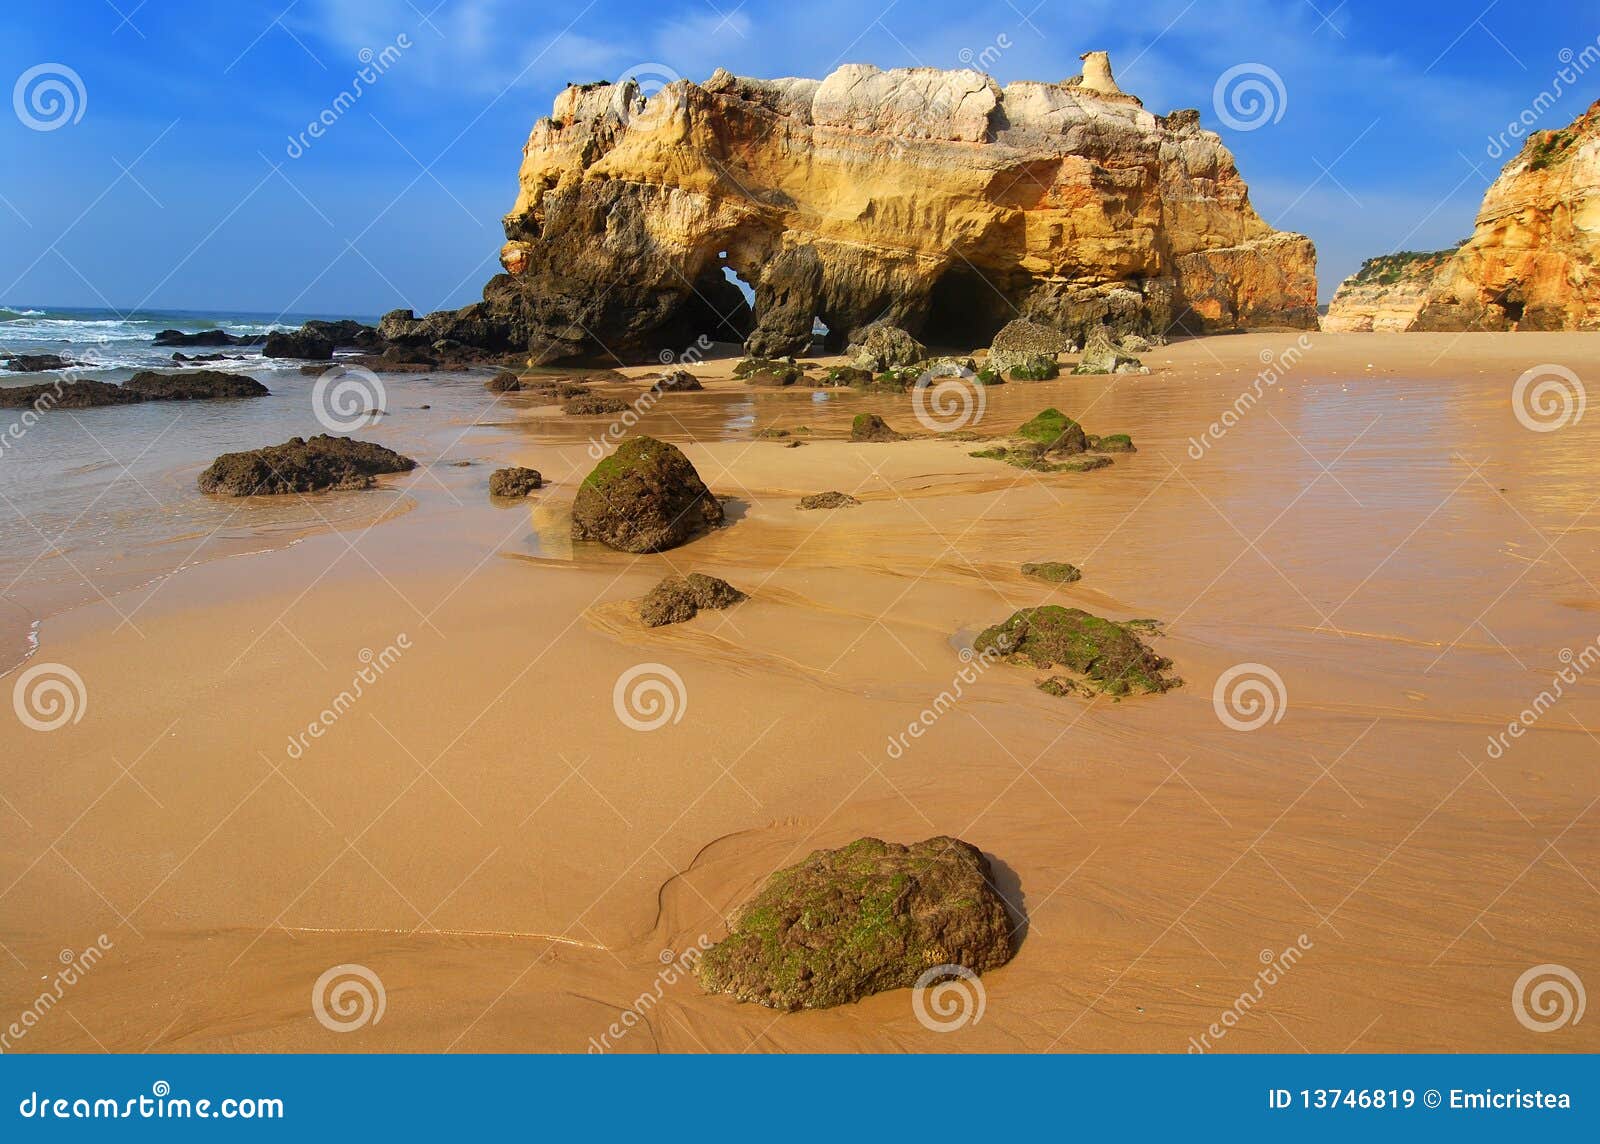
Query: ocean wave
x=21 y=313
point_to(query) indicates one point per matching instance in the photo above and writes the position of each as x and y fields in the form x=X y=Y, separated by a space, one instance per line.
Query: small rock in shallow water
x=301 y=466
x=1108 y=655
x=593 y=404
x=513 y=482
x=677 y=599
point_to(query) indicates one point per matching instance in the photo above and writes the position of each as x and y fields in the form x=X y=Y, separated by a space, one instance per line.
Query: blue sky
x=175 y=188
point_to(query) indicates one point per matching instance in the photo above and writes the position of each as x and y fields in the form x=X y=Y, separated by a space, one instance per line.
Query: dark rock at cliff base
x=38 y=363
x=678 y=381
x=195 y=385
x=1053 y=571
x=513 y=482
x=299 y=466
x=1101 y=355
x=677 y=599
x=879 y=346
x=66 y=395
x=298 y=344
x=1108 y=656
x=871 y=427
x=207 y=338
x=862 y=919
x=645 y=497
x=1020 y=340
x=828 y=500
x=346 y=333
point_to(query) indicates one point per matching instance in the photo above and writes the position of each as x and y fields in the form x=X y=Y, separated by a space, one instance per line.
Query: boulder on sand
x=678 y=381
x=513 y=482
x=1020 y=340
x=879 y=346
x=1100 y=355
x=1053 y=571
x=1108 y=656
x=868 y=917
x=679 y=598
x=645 y=497
x=828 y=500
x=871 y=427
x=301 y=466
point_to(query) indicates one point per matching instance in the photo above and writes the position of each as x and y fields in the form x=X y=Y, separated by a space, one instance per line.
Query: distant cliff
x=936 y=199
x=1529 y=265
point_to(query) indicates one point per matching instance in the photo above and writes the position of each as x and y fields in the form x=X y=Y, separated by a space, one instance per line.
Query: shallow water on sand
x=1388 y=551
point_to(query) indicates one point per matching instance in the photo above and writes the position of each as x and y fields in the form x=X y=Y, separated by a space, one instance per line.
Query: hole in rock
x=964 y=311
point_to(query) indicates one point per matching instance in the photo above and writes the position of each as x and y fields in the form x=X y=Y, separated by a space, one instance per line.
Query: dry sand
x=516 y=864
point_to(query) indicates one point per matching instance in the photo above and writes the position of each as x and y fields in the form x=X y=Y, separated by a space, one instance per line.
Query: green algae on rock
x=871 y=427
x=1108 y=656
x=862 y=919
x=645 y=497
x=1053 y=429
x=1055 y=571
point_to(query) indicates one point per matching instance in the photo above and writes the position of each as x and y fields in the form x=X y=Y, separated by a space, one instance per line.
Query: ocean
x=120 y=343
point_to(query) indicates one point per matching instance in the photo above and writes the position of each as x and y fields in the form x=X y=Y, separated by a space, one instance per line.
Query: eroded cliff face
x=936 y=200
x=1529 y=265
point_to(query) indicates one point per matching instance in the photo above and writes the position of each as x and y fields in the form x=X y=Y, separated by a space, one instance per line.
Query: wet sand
x=517 y=865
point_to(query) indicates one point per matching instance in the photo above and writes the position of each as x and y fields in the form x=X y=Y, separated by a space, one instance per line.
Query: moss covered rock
x=645 y=497
x=1107 y=656
x=871 y=427
x=591 y=404
x=1053 y=571
x=879 y=346
x=1112 y=443
x=1036 y=367
x=828 y=500
x=862 y=919
x=680 y=598
x=1057 y=432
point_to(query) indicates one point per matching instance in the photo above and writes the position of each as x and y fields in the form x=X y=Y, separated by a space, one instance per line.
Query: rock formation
x=645 y=497
x=303 y=466
x=867 y=917
x=1531 y=263
x=1103 y=655
x=514 y=482
x=937 y=201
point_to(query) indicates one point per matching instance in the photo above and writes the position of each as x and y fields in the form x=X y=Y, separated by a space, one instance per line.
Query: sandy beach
x=485 y=830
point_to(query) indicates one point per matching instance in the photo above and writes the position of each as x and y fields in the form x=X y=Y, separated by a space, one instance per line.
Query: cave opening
x=965 y=310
